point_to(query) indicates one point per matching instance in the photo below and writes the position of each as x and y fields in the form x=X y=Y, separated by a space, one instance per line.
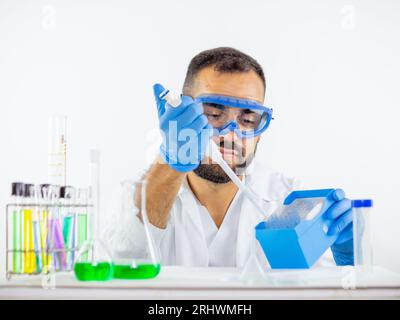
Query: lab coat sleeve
x=158 y=234
x=164 y=241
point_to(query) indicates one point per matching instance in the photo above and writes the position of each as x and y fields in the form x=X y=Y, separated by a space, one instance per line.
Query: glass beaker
x=134 y=252
x=93 y=261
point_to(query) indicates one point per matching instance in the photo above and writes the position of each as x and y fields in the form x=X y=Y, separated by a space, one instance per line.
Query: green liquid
x=82 y=232
x=67 y=234
x=142 y=271
x=16 y=266
x=67 y=230
x=85 y=271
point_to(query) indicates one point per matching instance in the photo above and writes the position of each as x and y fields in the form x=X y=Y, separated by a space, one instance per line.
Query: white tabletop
x=214 y=283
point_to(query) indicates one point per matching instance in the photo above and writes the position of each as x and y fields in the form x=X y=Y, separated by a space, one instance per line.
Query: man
x=197 y=215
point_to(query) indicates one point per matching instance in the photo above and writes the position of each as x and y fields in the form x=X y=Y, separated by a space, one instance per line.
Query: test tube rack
x=16 y=264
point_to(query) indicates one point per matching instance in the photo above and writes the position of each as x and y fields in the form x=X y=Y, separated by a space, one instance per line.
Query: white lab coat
x=184 y=240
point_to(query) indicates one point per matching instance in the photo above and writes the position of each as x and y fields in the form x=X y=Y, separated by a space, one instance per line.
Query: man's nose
x=229 y=138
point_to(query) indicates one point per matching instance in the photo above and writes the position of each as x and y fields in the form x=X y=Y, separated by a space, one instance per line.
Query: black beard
x=212 y=172
x=215 y=174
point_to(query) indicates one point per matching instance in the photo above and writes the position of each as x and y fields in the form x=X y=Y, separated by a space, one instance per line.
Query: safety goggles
x=247 y=118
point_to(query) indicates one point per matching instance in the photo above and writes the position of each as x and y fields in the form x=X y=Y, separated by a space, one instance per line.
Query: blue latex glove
x=342 y=225
x=185 y=130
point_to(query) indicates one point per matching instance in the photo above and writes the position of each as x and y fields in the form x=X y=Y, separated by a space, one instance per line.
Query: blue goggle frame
x=238 y=103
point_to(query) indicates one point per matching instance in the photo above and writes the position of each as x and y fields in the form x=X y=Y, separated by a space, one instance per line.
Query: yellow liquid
x=29 y=254
x=43 y=239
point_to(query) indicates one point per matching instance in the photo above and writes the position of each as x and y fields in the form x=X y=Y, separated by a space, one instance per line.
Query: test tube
x=57 y=245
x=67 y=197
x=362 y=234
x=94 y=172
x=17 y=197
x=82 y=219
x=44 y=225
x=29 y=254
x=36 y=226
x=57 y=150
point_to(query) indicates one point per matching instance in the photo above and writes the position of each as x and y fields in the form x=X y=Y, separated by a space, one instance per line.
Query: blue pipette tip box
x=299 y=246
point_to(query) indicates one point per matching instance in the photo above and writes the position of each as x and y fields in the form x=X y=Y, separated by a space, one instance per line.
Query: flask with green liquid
x=134 y=255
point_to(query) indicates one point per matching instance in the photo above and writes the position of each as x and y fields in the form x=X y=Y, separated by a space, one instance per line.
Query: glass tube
x=68 y=223
x=37 y=234
x=93 y=262
x=45 y=199
x=57 y=245
x=29 y=255
x=16 y=230
x=57 y=150
x=82 y=218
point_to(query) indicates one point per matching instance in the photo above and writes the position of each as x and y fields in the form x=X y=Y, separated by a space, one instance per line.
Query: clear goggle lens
x=220 y=117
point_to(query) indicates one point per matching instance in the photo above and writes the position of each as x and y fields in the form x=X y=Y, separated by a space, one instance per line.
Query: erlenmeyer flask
x=134 y=253
x=253 y=271
x=93 y=262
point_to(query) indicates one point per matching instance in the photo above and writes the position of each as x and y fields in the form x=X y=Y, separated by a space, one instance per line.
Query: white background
x=332 y=71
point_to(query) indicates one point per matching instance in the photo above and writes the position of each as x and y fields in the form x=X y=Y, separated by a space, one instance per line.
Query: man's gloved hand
x=186 y=132
x=342 y=224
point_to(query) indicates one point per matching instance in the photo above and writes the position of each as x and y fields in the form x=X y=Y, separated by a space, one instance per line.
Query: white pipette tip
x=172 y=101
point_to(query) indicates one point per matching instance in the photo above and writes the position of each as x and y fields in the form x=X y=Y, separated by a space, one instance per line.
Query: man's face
x=237 y=152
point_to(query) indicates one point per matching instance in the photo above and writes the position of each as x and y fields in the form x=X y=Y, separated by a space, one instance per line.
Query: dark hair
x=224 y=59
